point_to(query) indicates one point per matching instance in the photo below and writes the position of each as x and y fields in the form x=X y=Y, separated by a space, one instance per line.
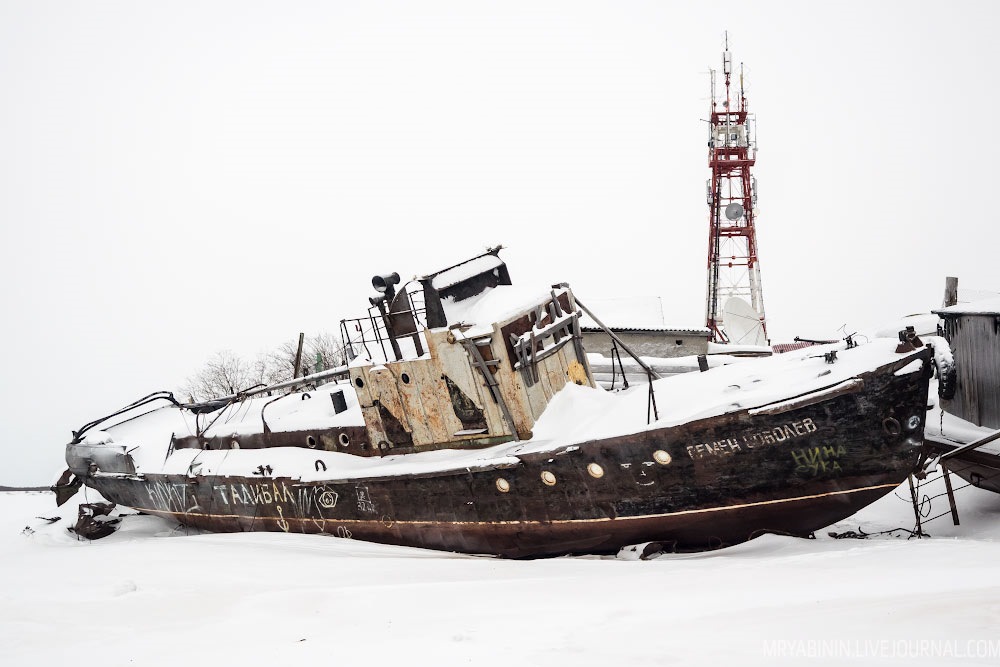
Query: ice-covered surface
x=156 y=594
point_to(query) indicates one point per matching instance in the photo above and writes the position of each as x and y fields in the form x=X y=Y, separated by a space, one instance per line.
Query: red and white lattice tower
x=734 y=303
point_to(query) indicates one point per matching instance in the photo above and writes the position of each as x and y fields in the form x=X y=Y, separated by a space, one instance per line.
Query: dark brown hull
x=724 y=480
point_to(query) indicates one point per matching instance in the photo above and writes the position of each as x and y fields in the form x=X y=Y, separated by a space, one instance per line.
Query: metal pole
x=618 y=340
x=298 y=356
x=333 y=372
x=951 y=494
x=916 y=508
x=972 y=445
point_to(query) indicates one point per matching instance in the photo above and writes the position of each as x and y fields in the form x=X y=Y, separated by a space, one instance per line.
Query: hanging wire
x=924 y=507
x=925 y=504
x=155 y=396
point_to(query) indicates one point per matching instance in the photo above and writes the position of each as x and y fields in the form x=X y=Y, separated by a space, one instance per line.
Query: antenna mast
x=733 y=269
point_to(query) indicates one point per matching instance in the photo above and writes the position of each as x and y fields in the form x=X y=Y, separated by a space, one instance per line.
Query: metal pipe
x=333 y=372
x=969 y=447
x=618 y=340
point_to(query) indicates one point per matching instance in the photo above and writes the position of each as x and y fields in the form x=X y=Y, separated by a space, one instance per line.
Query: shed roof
x=988 y=306
x=632 y=313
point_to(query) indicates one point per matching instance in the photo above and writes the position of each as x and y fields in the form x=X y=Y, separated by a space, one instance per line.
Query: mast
x=733 y=269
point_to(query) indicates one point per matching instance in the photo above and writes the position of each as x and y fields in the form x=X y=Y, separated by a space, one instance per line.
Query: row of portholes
x=593 y=469
x=342 y=439
x=359 y=383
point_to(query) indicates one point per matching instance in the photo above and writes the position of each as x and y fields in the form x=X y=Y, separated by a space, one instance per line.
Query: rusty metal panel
x=383 y=385
x=550 y=385
x=553 y=373
x=361 y=388
x=373 y=419
x=512 y=387
x=412 y=408
x=433 y=394
x=456 y=367
x=975 y=344
x=424 y=398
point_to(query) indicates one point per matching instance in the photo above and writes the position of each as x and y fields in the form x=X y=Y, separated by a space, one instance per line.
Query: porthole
x=503 y=486
x=662 y=457
x=913 y=422
x=595 y=470
x=405 y=378
x=310 y=442
x=359 y=382
x=344 y=440
x=548 y=478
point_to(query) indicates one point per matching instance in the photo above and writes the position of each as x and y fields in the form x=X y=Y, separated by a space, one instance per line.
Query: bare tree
x=319 y=353
x=224 y=374
x=227 y=373
x=327 y=351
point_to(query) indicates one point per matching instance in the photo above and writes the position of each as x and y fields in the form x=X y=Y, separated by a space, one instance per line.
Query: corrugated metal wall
x=975 y=344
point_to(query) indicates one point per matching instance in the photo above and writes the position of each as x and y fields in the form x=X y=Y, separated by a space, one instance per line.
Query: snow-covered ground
x=155 y=593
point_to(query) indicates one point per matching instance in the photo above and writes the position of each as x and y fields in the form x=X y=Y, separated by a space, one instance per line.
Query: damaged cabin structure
x=492 y=381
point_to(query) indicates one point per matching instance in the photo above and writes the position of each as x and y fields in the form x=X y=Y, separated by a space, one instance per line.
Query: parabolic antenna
x=734 y=211
x=742 y=323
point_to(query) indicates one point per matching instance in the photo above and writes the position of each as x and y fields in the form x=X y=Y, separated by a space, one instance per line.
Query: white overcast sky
x=180 y=178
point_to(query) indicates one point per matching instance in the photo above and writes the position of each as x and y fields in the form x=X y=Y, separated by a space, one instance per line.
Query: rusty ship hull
x=791 y=468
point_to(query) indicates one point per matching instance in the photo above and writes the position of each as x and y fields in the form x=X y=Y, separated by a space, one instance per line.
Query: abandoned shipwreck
x=468 y=420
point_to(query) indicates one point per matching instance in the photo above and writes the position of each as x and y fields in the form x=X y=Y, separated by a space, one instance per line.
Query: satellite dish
x=734 y=211
x=742 y=323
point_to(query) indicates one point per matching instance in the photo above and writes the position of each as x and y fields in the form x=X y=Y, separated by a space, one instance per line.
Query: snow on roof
x=631 y=313
x=924 y=324
x=988 y=306
x=473 y=267
x=496 y=304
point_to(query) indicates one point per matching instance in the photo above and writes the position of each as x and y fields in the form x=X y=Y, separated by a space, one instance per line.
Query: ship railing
x=392 y=335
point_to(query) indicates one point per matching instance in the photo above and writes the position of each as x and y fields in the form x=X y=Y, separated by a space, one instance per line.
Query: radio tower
x=734 y=304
